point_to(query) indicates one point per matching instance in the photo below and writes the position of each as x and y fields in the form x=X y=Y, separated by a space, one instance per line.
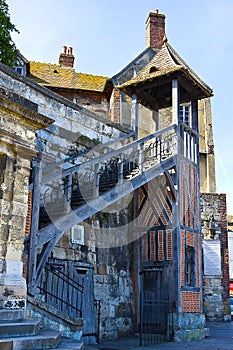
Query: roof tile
x=52 y=75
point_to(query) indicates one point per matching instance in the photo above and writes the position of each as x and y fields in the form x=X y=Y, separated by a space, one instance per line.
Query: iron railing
x=60 y=291
x=93 y=177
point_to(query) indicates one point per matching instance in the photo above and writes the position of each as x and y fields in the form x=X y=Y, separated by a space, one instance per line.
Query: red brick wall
x=198 y=281
x=116 y=106
x=169 y=245
x=224 y=245
x=191 y=302
x=182 y=257
x=190 y=237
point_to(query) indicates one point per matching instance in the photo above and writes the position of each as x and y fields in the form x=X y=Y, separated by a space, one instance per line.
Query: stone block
x=14 y=267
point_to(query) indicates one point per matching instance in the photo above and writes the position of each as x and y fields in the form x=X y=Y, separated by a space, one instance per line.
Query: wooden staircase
x=91 y=183
x=88 y=184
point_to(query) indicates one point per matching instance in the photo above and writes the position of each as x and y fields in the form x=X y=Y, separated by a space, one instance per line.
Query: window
x=190 y=267
x=20 y=70
x=184 y=114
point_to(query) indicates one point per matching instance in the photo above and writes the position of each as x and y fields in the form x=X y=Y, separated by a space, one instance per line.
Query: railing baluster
x=141 y=157
x=190 y=145
x=121 y=169
x=160 y=148
x=68 y=192
x=54 y=286
x=96 y=183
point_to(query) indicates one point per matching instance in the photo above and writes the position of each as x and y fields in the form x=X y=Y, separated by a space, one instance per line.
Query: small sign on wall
x=77 y=234
x=212 y=257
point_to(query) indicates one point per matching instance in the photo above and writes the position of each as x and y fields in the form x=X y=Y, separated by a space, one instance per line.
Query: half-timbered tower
x=168 y=207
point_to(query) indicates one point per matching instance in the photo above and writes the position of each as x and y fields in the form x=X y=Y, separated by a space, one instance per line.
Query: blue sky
x=106 y=35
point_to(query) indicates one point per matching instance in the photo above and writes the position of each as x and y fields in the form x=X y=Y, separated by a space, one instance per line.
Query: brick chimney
x=155 y=30
x=66 y=58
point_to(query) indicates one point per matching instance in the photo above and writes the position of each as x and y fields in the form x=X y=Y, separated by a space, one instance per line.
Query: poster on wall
x=212 y=257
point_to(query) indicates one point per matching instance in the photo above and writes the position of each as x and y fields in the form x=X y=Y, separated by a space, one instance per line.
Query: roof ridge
x=186 y=66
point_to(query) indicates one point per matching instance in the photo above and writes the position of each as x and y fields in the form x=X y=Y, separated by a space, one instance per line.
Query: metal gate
x=156 y=320
x=156 y=311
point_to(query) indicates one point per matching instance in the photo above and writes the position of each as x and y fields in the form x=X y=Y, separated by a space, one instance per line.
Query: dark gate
x=68 y=287
x=156 y=310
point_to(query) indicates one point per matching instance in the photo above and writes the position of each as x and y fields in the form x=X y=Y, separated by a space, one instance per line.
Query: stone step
x=12 y=315
x=69 y=344
x=46 y=339
x=24 y=327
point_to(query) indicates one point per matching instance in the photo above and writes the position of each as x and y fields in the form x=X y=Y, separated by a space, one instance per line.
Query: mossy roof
x=53 y=75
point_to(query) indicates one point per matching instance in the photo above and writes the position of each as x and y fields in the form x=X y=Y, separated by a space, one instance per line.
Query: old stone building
x=110 y=233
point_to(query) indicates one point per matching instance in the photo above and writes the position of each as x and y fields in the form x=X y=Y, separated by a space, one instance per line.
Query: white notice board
x=212 y=257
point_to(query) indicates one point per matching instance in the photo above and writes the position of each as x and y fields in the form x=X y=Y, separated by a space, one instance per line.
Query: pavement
x=221 y=338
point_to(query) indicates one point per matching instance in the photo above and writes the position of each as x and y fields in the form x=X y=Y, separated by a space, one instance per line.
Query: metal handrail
x=56 y=277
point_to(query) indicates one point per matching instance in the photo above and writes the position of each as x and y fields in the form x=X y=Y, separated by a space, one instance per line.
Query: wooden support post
x=36 y=174
x=194 y=106
x=175 y=115
x=155 y=117
x=121 y=109
x=175 y=102
x=134 y=115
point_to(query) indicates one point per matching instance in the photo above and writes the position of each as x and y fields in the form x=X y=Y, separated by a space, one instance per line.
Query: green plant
x=7 y=46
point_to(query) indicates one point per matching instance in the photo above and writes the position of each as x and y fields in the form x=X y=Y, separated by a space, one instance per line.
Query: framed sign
x=212 y=257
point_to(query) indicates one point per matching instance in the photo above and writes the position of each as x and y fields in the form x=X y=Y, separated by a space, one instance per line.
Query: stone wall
x=26 y=107
x=18 y=121
x=216 y=262
x=112 y=271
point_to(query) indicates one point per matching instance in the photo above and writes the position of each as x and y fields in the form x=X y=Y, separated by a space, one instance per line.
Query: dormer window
x=153 y=69
x=19 y=70
x=20 y=64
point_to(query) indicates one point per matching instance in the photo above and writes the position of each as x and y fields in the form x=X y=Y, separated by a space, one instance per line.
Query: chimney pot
x=70 y=51
x=66 y=58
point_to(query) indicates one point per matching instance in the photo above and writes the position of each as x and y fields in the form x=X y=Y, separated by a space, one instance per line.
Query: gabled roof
x=53 y=75
x=20 y=57
x=166 y=63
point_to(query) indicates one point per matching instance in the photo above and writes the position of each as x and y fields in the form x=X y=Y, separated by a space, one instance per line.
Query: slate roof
x=166 y=62
x=53 y=75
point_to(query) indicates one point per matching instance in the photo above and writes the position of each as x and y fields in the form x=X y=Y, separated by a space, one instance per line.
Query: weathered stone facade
x=18 y=122
x=216 y=263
